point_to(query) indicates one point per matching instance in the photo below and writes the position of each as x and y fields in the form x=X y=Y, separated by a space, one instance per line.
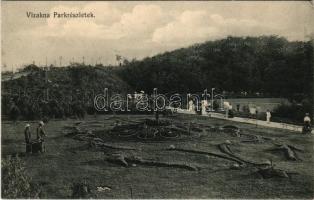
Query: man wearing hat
x=307 y=123
x=27 y=134
x=307 y=119
x=41 y=135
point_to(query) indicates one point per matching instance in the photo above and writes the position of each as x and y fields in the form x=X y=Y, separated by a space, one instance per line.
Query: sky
x=139 y=29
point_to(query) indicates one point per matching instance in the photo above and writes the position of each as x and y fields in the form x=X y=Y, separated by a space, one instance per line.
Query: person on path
x=268 y=116
x=307 y=119
x=307 y=124
x=191 y=106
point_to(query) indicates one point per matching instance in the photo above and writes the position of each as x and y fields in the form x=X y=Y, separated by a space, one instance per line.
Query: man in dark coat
x=41 y=135
x=28 y=136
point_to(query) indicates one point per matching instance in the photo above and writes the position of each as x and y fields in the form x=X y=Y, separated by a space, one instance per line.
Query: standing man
x=307 y=124
x=230 y=113
x=252 y=109
x=268 y=116
x=204 y=107
x=307 y=119
x=191 y=106
x=27 y=134
x=41 y=135
x=227 y=107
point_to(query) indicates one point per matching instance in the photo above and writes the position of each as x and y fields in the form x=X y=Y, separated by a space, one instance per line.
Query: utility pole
x=212 y=104
x=46 y=80
x=60 y=61
x=83 y=60
x=100 y=60
x=313 y=92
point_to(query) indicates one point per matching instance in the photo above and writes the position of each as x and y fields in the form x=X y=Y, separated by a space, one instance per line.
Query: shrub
x=246 y=109
x=81 y=190
x=294 y=112
x=15 y=182
x=215 y=105
x=15 y=113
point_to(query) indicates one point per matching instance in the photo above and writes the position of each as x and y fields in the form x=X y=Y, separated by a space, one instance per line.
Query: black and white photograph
x=157 y=99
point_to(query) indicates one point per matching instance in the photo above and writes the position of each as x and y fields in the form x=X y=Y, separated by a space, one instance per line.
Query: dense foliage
x=294 y=112
x=14 y=181
x=58 y=93
x=269 y=65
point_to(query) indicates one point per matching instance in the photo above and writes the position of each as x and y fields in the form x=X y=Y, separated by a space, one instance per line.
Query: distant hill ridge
x=63 y=80
x=268 y=64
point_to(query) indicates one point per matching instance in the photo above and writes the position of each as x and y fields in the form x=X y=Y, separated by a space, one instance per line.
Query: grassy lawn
x=68 y=161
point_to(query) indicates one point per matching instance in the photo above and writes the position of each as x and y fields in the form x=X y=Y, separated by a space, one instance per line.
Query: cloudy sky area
x=140 y=29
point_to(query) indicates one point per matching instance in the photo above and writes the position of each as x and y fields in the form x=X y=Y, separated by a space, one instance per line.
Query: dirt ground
x=68 y=161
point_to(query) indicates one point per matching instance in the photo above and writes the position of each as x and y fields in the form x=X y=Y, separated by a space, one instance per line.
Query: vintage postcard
x=157 y=99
